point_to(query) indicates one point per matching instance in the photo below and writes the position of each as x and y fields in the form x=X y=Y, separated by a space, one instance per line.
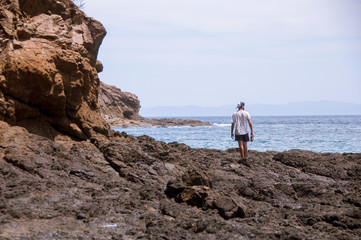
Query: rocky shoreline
x=124 y=187
x=64 y=174
x=153 y=122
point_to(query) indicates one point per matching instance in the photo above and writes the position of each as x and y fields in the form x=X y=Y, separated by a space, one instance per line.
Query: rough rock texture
x=48 y=67
x=115 y=103
x=121 y=109
x=123 y=187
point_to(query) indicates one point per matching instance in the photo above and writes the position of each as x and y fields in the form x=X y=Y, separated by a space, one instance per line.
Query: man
x=240 y=119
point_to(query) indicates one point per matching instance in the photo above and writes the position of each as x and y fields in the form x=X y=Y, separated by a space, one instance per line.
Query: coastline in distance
x=290 y=109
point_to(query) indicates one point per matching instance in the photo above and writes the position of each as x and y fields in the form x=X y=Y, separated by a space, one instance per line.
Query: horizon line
x=227 y=105
x=257 y=115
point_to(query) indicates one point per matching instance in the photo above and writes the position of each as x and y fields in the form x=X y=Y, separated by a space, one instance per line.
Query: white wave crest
x=222 y=124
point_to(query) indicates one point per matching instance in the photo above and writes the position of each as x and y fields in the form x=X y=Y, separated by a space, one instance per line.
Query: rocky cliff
x=121 y=109
x=116 y=104
x=54 y=184
x=48 y=67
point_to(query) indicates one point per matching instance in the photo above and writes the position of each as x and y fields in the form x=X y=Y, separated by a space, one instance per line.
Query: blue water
x=315 y=133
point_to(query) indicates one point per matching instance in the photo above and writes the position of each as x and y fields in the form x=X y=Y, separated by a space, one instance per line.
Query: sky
x=220 y=52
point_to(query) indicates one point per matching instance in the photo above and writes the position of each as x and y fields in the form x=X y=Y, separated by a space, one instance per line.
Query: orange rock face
x=48 y=67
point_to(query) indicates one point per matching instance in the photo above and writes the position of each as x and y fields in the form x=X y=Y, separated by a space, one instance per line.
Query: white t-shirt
x=241 y=119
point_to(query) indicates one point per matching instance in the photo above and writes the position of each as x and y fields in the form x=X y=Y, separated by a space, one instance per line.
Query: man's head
x=240 y=105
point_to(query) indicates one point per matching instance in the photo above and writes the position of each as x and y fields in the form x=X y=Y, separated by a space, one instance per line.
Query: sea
x=333 y=134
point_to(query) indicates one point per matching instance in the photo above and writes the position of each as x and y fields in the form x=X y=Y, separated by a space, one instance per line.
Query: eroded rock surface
x=48 y=75
x=116 y=104
x=125 y=187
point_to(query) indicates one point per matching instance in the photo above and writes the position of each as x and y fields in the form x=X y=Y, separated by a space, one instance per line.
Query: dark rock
x=196 y=177
x=76 y=189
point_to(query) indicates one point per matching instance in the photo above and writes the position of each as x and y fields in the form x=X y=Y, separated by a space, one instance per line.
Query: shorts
x=243 y=138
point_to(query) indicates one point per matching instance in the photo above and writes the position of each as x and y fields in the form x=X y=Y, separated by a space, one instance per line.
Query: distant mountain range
x=290 y=109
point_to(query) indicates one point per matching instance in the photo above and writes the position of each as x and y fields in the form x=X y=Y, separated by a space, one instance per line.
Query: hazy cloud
x=303 y=43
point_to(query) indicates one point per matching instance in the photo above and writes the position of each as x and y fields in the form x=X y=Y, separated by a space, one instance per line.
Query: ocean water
x=338 y=134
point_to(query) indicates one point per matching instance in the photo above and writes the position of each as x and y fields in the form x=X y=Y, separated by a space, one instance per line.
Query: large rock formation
x=48 y=67
x=121 y=109
x=116 y=104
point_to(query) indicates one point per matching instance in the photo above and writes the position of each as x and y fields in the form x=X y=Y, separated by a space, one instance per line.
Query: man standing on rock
x=240 y=119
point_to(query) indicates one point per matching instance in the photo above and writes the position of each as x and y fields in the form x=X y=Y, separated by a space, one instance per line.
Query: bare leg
x=241 y=148
x=245 y=149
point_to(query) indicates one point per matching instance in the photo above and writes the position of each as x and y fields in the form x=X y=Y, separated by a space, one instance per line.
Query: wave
x=222 y=124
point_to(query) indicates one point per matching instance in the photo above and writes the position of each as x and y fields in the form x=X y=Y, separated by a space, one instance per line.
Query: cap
x=240 y=104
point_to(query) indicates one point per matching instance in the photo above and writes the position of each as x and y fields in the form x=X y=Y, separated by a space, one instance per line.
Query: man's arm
x=232 y=128
x=250 y=126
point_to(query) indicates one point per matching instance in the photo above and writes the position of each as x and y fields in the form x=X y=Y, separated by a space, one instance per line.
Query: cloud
x=214 y=16
x=272 y=42
x=200 y=25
